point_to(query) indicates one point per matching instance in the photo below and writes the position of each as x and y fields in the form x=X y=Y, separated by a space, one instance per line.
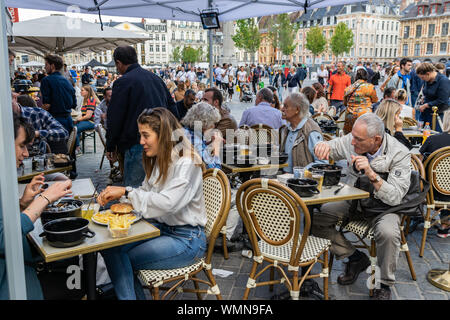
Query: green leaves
x=247 y=35
x=282 y=33
x=316 y=42
x=191 y=55
x=342 y=40
x=176 y=54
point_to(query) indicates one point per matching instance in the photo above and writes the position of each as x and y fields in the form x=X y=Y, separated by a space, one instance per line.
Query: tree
x=176 y=54
x=342 y=39
x=315 y=42
x=247 y=36
x=273 y=35
x=282 y=34
x=190 y=55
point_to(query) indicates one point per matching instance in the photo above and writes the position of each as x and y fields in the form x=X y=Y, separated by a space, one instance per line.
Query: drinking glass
x=318 y=176
x=299 y=172
x=27 y=165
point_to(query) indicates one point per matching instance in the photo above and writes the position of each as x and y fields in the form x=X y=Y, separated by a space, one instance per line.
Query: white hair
x=375 y=126
x=203 y=112
x=300 y=102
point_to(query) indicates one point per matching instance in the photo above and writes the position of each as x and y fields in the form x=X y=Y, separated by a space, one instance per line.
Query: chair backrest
x=272 y=212
x=217 y=194
x=99 y=130
x=409 y=122
x=438 y=169
x=321 y=116
x=71 y=141
x=261 y=134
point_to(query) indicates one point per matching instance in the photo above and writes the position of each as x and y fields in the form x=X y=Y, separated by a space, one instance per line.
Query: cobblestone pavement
x=232 y=287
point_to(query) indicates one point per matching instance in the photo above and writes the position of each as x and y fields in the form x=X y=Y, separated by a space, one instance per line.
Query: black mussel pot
x=64 y=209
x=332 y=173
x=67 y=232
x=263 y=150
x=245 y=161
x=303 y=187
x=279 y=158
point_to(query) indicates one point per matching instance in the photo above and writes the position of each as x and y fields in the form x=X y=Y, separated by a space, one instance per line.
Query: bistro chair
x=115 y=168
x=363 y=228
x=217 y=203
x=88 y=134
x=340 y=123
x=71 y=141
x=261 y=134
x=437 y=167
x=272 y=215
x=409 y=122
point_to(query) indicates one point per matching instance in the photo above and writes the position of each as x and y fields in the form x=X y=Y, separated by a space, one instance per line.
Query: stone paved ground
x=232 y=288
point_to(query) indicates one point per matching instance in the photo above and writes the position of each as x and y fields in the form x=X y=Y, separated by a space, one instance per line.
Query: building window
x=163 y=37
x=173 y=35
x=418 y=31
x=163 y=48
x=157 y=48
x=182 y=35
x=365 y=52
x=157 y=37
x=443 y=48
x=382 y=38
x=151 y=48
x=417 y=49
x=431 y=30
x=406 y=32
x=405 y=50
x=444 y=31
x=429 y=48
x=376 y=52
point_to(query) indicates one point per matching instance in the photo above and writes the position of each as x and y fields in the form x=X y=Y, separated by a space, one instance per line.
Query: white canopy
x=186 y=10
x=32 y=64
x=60 y=34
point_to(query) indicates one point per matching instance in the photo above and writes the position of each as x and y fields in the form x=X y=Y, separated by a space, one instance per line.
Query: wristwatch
x=128 y=190
x=377 y=179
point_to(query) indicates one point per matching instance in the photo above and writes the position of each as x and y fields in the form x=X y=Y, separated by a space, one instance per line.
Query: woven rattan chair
x=261 y=134
x=321 y=116
x=272 y=215
x=409 y=122
x=437 y=168
x=217 y=202
x=361 y=228
x=72 y=140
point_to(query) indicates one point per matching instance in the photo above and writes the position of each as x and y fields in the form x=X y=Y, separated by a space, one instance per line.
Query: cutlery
x=341 y=185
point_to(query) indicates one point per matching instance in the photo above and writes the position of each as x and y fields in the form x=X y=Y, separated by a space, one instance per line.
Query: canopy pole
x=9 y=193
x=211 y=71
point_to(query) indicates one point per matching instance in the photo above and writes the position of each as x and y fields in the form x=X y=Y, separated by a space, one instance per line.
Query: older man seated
x=301 y=134
x=262 y=112
x=386 y=163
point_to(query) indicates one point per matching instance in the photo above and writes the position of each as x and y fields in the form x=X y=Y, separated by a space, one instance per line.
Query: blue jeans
x=66 y=122
x=176 y=247
x=83 y=126
x=133 y=171
x=280 y=93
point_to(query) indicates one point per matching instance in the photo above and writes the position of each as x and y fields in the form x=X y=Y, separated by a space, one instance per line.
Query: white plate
x=137 y=214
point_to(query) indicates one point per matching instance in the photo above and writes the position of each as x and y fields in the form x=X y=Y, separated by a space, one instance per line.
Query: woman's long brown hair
x=172 y=142
x=91 y=94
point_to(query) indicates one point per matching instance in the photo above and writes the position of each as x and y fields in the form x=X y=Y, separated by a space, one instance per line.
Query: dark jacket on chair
x=136 y=90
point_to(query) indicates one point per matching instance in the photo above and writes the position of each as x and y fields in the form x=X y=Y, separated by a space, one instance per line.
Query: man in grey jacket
x=367 y=148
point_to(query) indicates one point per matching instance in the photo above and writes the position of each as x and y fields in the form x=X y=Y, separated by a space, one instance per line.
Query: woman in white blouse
x=171 y=198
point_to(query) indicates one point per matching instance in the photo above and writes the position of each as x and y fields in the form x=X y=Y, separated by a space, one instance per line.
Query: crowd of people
x=142 y=111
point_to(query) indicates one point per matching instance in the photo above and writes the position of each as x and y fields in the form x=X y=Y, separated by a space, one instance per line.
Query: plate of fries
x=105 y=217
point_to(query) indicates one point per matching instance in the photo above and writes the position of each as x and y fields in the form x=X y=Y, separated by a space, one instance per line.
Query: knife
x=339 y=189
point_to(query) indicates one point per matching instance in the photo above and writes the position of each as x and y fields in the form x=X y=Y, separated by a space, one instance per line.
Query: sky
x=28 y=14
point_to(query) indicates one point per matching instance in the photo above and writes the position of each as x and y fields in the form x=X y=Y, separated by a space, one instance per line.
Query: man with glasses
x=378 y=157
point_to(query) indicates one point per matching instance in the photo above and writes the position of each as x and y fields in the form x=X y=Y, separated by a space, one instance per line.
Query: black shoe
x=382 y=294
x=232 y=246
x=311 y=289
x=352 y=270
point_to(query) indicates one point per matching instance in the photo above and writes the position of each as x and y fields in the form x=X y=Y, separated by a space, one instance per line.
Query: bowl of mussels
x=62 y=209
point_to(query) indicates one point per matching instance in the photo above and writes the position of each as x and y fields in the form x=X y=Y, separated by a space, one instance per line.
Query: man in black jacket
x=136 y=90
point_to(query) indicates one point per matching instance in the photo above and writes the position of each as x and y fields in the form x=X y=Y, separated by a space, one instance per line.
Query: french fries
x=108 y=217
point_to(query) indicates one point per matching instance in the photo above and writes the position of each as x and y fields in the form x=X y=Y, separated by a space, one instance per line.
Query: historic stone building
x=424 y=30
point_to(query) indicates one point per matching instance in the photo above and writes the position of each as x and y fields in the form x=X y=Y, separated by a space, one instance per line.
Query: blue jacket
x=34 y=291
x=437 y=93
x=59 y=93
x=416 y=85
x=135 y=91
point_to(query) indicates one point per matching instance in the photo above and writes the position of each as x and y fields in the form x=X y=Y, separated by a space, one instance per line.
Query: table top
x=102 y=240
x=415 y=133
x=48 y=171
x=255 y=167
x=327 y=195
x=80 y=187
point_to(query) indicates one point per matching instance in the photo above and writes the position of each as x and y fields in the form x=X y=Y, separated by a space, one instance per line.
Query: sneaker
x=78 y=152
x=443 y=233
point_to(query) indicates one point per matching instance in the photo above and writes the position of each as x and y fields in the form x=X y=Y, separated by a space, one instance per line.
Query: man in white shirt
x=181 y=75
x=192 y=75
x=322 y=75
x=218 y=72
